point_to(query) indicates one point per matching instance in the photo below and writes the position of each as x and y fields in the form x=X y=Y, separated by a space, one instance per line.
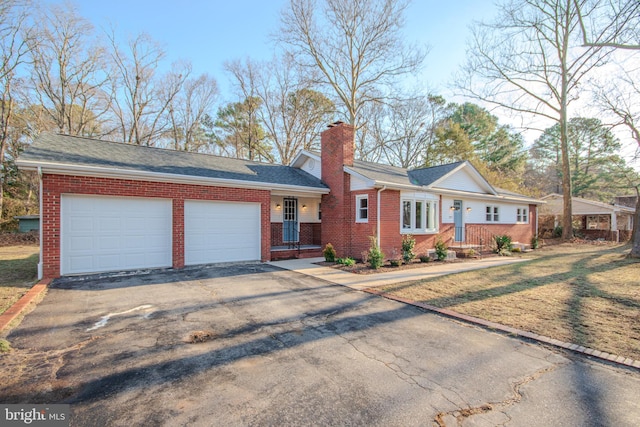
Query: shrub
x=329 y=253
x=503 y=244
x=376 y=257
x=395 y=259
x=535 y=242
x=441 y=250
x=408 y=243
x=557 y=232
x=346 y=261
x=425 y=258
x=5 y=347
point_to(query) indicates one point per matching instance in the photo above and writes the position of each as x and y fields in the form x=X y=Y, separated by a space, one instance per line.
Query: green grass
x=18 y=273
x=581 y=293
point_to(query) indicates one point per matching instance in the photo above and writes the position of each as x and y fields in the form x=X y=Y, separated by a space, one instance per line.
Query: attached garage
x=110 y=206
x=221 y=232
x=99 y=234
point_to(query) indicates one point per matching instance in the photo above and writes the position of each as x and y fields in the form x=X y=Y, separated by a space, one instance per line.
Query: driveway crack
x=460 y=414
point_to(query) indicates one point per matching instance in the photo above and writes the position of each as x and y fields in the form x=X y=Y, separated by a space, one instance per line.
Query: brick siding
x=54 y=186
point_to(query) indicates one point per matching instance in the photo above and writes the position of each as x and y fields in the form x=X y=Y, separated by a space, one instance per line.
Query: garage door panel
x=221 y=232
x=114 y=233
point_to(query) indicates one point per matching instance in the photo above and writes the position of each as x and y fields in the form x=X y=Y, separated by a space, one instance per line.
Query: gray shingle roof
x=395 y=175
x=76 y=151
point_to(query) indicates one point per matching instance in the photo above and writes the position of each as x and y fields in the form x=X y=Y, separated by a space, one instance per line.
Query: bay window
x=418 y=216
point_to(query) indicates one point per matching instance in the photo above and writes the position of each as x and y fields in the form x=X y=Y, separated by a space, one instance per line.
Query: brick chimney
x=337 y=152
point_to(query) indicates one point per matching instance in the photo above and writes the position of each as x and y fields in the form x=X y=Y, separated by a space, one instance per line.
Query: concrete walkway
x=361 y=281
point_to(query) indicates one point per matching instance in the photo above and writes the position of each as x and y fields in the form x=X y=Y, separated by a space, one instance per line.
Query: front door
x=457 y=221
x=290 y=220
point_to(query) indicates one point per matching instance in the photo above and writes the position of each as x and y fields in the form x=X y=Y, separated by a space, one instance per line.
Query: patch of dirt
x=196 y=337
x=32 y=376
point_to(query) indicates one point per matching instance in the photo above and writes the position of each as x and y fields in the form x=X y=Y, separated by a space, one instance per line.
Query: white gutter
x=40 y=261
x=378 y=217
x=94 y=171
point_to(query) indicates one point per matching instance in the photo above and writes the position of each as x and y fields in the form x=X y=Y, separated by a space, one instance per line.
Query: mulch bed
x=361 y=268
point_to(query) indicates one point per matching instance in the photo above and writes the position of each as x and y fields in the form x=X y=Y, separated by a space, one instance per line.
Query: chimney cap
x=334 y=124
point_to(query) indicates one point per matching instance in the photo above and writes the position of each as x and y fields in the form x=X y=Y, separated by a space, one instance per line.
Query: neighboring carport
x=249 y=344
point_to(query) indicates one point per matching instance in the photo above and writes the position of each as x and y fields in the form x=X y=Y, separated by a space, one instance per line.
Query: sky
x=210 y=32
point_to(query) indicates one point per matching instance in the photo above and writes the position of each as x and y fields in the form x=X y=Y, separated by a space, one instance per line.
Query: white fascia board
x=94 y=171
x=494 y=197
x=370 y=182
x=301 y=157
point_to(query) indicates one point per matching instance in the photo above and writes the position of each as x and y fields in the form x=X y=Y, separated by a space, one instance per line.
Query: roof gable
x=463 y=177
x=62 y=152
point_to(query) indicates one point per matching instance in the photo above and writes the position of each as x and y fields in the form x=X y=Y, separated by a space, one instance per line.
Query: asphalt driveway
x=256 y=345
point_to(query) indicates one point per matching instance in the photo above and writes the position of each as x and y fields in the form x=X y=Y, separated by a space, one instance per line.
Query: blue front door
x=457 y=221
x=290 y=220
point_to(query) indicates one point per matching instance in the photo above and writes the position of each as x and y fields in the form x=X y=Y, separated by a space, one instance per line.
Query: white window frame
x=429 y=212
x=360 y=210
x=522 y=215
x=492 y=213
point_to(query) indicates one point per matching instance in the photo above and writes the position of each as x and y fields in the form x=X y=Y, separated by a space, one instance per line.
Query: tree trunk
x=635 y=234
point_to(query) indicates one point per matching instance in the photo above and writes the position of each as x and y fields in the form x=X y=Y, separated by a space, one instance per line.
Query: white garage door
x=221 y=232
x=112 y=233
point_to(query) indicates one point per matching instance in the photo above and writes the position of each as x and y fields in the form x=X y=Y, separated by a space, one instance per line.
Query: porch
x=295 y=227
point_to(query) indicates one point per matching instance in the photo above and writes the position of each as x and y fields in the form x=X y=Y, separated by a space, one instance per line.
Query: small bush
x=516 y=249
x=346 y=261
x=441 y=250
x=535 y=242
x=469 y=253
x=395 y=259
x=408 y=244
x=557 y=232
x=5 y=347
x=425 y=258
x=329 y=253
x=376 y=257
x=503 y=243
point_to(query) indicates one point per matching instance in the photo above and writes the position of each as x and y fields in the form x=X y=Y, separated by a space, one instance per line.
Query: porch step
x=451 y=255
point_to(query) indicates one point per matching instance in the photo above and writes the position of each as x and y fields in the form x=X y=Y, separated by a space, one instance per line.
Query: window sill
x=419 y=232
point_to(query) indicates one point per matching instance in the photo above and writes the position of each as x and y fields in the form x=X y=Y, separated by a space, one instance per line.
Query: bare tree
x=188 y=110
x=621 y=99
x=68 y=75
x=14 y=36
x=292 y=113
x=411 y=129
x=141 y=98
x=356 y=45
x=531 y=61
x=616 y=23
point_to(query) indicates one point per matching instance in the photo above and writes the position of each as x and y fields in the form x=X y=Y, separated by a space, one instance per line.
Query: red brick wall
x=54 y=186
x=309 y=234
x=337 y=206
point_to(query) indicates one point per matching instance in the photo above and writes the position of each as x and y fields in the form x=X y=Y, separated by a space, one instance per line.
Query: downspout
x=378 y=217
x=40 y=262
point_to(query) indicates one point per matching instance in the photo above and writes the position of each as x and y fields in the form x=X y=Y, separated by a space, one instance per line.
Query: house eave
x=100 y=172
x=485 y=196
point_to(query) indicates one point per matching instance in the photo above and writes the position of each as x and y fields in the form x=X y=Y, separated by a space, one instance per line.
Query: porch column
x=614 y=226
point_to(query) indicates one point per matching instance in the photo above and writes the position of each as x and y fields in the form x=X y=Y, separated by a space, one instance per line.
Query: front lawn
x=18 y=273
x=588 y=294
